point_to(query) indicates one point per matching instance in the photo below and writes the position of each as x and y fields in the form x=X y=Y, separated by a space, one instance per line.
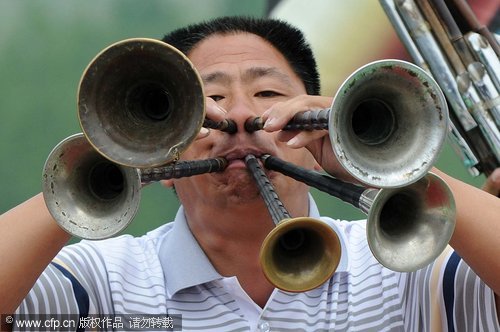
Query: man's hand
x=492 y=184
x=316 y=141
x=213 y=112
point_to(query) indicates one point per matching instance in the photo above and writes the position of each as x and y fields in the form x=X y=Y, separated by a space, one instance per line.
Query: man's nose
x=240 y=111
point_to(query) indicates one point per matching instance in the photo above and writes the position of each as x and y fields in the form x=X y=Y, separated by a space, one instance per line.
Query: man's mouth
x=236 y=163
x=236 y=159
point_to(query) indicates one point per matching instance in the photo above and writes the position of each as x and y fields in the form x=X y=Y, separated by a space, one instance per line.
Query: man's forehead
x=223 y=58
x=237 y=48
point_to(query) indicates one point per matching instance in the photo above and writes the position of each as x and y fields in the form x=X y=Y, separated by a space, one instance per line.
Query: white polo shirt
x=165 y=272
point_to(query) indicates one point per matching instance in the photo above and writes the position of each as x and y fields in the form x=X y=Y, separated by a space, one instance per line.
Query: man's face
x=245 y=75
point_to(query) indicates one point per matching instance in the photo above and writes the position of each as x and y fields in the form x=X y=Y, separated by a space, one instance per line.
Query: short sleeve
x=74 y=283
x=447 y=295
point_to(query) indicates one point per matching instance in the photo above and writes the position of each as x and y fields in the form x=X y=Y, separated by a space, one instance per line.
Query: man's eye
x=216 y=97
x=267 y=94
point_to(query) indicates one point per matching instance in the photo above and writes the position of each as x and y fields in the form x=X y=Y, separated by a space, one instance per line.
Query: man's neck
x=231 y=239
x=231 y=236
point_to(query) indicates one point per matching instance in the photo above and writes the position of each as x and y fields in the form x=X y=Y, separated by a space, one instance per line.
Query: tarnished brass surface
x=141 y=103
x=388 y=122
x=408 y=228
x=300 y=254
x=89 y=196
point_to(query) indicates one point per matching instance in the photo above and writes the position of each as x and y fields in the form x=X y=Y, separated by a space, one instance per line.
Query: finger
x=214 y=111
x=277 y=116
x=280 y=114
x=204 y=132
x=492 y=184
x=300 y=139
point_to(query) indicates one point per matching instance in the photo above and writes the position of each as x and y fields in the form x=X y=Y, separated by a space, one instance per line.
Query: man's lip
x=237 y=157
x=236 y=163
x=237 y=160
x=242 y=154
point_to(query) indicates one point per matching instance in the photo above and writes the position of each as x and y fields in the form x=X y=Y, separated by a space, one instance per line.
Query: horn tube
x=91 y=197
x=407 y=227
x=387 y=123
x=299 y=254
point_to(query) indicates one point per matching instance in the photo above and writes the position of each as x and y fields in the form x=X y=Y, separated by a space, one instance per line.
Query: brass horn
x=141 y=103
x=407 y=227
x=93 y=198
x=88 y=195
x=387 y=123
x=299 y=254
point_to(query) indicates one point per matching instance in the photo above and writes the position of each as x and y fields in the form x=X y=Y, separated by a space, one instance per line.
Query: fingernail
x=269 y=122
x=204 y=131
x=292 y=142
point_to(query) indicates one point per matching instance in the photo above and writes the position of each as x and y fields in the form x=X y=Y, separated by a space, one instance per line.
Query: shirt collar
x=183 y=261
x=185 y=264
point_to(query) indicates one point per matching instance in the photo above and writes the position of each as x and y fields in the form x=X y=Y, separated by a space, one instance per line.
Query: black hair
x=287 y=39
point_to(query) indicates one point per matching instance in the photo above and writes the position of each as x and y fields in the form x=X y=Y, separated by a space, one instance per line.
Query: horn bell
x=300 y=254
x=89 y=196
x=141 y=103
x=409 y=227
x=388 y=123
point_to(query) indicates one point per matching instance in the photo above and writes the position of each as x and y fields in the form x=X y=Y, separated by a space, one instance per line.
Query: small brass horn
x=300 y=254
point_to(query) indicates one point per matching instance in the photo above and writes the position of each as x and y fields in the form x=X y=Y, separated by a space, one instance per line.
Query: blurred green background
x=44 y=47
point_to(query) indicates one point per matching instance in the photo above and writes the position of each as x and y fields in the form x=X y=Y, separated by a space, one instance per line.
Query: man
x=204 y=266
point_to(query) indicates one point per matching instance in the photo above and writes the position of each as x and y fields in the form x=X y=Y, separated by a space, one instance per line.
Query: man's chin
x=238 y=186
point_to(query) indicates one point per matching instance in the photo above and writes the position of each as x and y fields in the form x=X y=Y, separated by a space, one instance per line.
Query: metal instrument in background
x=446 y=39
x=387 y=123
x=141 y=103
x=92 y=197
x=407 y=227
x=300 y=253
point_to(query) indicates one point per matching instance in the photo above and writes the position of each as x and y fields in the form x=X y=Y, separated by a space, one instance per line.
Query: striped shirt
x=165 y=272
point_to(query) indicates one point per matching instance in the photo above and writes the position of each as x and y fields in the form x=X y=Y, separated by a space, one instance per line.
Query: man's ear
x=167 y=183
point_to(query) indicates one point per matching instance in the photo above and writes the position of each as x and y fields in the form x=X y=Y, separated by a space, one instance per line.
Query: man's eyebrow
x=257 y=72
x=217 y=77
x=249 y=75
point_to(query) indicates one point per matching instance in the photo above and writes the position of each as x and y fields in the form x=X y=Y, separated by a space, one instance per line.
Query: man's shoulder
x=348 y=227
x=126 y=245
